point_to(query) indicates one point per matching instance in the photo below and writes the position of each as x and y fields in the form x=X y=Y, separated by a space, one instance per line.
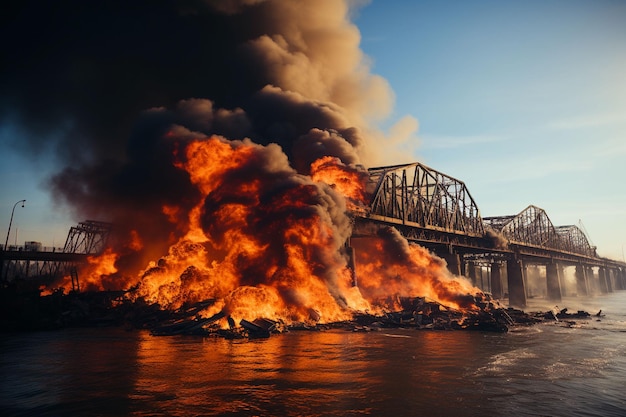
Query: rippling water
x=557 y=369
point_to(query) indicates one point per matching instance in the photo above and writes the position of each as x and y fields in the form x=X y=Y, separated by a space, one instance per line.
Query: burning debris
x=236 y=181
x=416 y=313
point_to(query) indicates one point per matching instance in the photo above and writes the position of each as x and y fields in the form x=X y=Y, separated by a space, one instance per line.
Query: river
x=551 y=369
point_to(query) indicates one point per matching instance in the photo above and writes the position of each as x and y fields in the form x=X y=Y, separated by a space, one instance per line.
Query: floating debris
x=97 y=309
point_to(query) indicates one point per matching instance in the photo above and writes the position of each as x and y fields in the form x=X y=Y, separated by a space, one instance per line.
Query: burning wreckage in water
x=103 y=309
x=241 y=191
x=114 y=308
x=417 y=313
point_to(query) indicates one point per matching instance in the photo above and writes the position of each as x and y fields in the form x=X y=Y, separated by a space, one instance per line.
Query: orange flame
x=263 y=238
x=95 y=274
x=265 y=241
x=350 y=182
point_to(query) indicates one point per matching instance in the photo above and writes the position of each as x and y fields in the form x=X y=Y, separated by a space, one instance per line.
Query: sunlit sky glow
x=523 y=101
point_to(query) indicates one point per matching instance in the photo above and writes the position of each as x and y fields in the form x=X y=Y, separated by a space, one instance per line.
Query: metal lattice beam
x=89 y=237
x=415 y=194
x=574 y=240
x=531 y=226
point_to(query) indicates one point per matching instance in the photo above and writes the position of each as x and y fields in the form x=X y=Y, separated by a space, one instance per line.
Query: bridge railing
x=30 y=248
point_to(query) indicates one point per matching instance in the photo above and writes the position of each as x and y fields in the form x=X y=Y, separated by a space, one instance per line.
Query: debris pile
x=32 y=311
x=416 y=313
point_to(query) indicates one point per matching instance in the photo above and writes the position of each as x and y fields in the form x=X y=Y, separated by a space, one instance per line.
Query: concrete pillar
x=609 y=279
x=552 y=279
x=582 y=287
x=604 y=288
x=621 y=275
x=496 y=280
x=617 y=279
x=454 y=262
x=561 y=271
x=480 y=279
x=517 y=290
x=592 y=281
x=471 y=272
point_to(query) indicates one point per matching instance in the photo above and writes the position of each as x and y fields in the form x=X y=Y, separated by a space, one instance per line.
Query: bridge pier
x=496 y=281
x=552 y=279
x=453 y=261
x=604 y=286
x=471 y=272
x=621 y=278
x=609 y=279
x=592 y=281
x=617 y=279
x=582 y=287
x=515 y=278
x=562 y=281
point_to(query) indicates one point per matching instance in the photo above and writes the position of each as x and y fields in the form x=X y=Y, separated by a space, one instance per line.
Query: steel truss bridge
x=428 y=208
x=437 y=211
x=88 y=238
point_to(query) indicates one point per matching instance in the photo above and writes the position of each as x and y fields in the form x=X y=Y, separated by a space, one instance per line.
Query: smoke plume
x=224 y=139
x=114 y=81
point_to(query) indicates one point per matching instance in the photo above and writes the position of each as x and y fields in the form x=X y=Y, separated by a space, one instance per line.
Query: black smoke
x=117 y=88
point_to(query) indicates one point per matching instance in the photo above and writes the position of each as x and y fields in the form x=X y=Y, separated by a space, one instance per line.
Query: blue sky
x=523 y=101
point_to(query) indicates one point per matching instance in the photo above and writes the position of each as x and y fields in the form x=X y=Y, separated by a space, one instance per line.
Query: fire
x=260 y=227
x=389 y=267
x=263 y=238
x=265 y=241
x=97 y=273
x=349 y=181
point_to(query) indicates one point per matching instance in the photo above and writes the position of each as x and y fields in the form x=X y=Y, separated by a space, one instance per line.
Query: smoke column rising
x=192 y=126
x=102 y=74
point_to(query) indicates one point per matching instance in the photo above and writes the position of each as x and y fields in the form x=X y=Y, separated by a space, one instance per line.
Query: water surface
x=557 y=369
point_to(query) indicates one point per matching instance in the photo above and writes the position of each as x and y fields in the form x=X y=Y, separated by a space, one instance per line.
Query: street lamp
x=6 y=243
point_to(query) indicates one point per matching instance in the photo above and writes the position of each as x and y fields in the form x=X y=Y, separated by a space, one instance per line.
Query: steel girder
x=28 y=268
x=89 y=237
x=532 y=226
x=415 y=194
x=574 y=240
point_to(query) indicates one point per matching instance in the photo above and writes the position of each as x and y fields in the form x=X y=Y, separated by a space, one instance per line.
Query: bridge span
x=20 y=263
x=437 y=211
x=428 y=208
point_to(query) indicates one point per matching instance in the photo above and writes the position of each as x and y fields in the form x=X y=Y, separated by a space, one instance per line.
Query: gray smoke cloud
x=117 y=88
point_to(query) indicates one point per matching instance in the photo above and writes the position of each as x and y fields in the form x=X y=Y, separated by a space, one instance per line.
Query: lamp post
x=6 y=242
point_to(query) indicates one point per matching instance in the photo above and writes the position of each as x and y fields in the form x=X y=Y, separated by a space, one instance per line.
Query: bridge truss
x=532 y=227
x=86 y=239
x=416 y=195
x=438 y=211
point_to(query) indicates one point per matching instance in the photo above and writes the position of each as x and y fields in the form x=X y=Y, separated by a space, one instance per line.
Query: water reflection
x=542 y=370
x=67 y=372
x=286 y=375
x=303 y=373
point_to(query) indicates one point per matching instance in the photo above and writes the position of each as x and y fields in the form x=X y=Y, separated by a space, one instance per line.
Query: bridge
x=437 y=211
x=18 y=263
x=428 y=208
